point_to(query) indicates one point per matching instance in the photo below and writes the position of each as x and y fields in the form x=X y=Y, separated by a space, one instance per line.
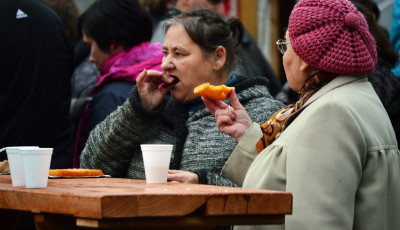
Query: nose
x=166 y=64
x=91 y=59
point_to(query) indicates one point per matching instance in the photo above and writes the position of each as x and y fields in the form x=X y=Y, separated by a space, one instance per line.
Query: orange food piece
x=219 y=92
x=4 y=167
x=75 y=172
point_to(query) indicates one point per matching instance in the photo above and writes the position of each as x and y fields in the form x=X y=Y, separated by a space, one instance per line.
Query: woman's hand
x=183 y=176
x=232 y=120
x=150 y=94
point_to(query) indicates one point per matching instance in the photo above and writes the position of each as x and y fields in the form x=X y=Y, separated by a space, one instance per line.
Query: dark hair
x=121 y=21
x=157 y=7
x=370 y=5
x=209 y=30
x=69 y=13
x=384 y=46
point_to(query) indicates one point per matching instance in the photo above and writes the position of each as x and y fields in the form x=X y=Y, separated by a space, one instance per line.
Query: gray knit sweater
x=199 y=147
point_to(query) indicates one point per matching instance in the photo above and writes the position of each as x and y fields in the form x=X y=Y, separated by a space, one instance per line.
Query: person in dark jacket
x=35 y=83
x=199 y=47
x=118 y=34
x=385 y=83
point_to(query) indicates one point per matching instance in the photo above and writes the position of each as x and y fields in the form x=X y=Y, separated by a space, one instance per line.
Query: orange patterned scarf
x=272 y=128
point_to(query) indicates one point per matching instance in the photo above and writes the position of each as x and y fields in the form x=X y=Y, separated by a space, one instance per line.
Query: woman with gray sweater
x=199 y=47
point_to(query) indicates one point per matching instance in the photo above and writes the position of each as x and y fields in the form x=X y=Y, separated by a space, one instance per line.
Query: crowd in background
x=67 y=73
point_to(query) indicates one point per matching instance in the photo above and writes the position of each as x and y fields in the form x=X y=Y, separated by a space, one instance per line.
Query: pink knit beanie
x=332 y=36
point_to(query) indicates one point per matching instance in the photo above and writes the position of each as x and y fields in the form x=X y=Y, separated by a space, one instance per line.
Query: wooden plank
x=62 y=204
x=151 y=205
x=233 y=204
x=123 y=198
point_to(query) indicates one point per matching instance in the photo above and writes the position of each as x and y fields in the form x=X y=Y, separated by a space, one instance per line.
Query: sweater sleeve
x=111 y=143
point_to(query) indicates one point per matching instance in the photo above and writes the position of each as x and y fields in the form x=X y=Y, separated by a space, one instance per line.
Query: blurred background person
x=158 y=10
x=252 y=61
x=118 y=34
x=35 y=85
x=69 y=13
x=84 y=77
x=385 y=84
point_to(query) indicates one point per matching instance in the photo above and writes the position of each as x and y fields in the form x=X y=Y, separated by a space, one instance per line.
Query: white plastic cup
x=36 y=164
x=15 y=163
x=156 y=158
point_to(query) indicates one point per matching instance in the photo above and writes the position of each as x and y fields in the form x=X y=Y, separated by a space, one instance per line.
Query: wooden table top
x=125 y=198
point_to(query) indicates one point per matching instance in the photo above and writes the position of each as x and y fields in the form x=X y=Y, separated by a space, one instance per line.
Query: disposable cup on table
x=156 y=158
x=15 y=163
x=36 y=164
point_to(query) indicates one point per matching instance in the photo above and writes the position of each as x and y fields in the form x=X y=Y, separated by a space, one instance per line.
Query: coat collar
x=335 y=83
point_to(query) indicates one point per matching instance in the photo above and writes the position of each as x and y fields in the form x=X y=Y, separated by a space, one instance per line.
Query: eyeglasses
x=282 y=45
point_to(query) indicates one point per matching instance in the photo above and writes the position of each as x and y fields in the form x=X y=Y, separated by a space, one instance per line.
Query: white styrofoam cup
x=15 y=163
x=156 y=158
x=36 y=163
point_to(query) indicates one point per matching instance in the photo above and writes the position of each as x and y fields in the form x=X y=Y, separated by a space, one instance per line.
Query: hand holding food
x=220 y=92
x=148 y=85
x=232 y=119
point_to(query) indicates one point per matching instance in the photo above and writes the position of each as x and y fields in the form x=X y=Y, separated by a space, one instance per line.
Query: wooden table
x=115 y=203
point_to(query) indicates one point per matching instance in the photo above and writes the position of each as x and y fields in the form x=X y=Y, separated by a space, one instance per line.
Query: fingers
x=234 y=101
x=149 y=76
x=227 y=112
x=214 y=105
x=182 y=176
x=224 y=120
x=177 y=176
x=171 y=171
x=140 y=78
x=210 y=105
x=223 y=113
x=154 y=76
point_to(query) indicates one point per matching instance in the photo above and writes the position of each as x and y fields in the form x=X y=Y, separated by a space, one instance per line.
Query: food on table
x=219 y=92
x=4 y=167
x=75 y=172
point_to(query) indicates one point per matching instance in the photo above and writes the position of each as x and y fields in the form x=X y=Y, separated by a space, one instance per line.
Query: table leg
x=45 y=221
x=9 y=218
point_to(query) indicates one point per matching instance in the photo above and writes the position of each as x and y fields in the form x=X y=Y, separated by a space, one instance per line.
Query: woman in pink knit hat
x=334 y=149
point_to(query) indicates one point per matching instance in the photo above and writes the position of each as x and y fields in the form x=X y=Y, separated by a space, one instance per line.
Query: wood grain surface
x=92 y=199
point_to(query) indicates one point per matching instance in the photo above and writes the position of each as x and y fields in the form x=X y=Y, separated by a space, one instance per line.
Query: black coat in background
x=387 y=86
x=36 y=65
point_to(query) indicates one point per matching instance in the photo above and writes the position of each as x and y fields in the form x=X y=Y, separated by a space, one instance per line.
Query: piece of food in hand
x=219 y=92
x=4 y=167
x=75 y=172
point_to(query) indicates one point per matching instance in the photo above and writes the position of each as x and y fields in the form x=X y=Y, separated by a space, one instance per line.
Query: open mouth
x=176 y=80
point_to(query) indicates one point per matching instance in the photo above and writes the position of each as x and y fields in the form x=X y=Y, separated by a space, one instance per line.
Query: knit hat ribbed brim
x=332 y=36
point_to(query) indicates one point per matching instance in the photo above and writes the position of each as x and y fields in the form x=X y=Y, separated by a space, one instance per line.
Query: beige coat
x=339 y=158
